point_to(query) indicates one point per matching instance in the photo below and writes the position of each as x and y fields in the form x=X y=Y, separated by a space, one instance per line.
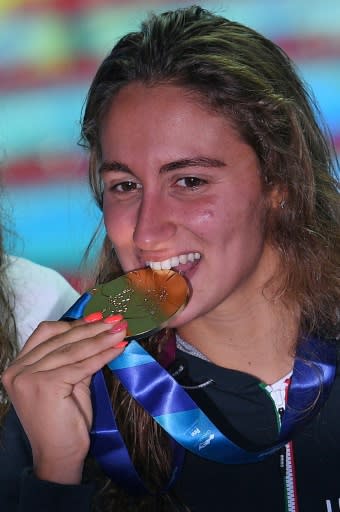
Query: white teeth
x=174 y=261
x=166 y=264
x=157 y=265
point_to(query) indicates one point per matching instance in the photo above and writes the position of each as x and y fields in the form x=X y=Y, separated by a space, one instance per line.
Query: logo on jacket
x=333 y=506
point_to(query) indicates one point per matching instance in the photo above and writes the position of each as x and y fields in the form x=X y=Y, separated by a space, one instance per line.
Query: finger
x=49 y=329
x=77 y=351
x=67 y=354
x=52 y=335
x=46 y=330
x=61 y=379
x=72 y=374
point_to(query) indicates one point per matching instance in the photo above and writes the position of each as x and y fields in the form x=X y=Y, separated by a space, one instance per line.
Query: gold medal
x=146 y=298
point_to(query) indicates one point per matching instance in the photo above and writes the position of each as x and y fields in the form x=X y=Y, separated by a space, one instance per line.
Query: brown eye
x=191 y=182
x=126 y=186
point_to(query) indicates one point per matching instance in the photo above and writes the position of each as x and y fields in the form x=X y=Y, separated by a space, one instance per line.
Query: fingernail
x=113 y=319
x=121 y=326
x=121 y=344
x=93 y=317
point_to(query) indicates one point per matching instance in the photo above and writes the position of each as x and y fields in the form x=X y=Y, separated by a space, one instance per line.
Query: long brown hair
x=244 y=76
x=8 y=333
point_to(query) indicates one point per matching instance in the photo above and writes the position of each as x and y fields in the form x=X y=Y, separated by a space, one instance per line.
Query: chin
x=181 y=319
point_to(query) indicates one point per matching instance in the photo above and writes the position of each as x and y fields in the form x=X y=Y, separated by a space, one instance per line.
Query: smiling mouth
x=180 y=263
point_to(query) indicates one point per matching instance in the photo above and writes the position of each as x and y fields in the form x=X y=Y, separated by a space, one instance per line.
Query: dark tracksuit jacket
x=241 y=409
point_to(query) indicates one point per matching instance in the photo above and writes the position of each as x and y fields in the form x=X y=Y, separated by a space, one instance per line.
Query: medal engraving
x=118 y=303
x=146 y=298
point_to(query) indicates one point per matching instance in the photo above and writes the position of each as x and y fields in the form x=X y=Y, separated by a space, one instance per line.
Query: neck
x=258 y=340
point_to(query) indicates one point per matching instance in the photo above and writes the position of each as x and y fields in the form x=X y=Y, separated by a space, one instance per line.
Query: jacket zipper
x=286 y=461
x=283 y=468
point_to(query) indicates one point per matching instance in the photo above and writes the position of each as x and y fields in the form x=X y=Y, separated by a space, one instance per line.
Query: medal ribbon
x=107 y=444
x=174 y=410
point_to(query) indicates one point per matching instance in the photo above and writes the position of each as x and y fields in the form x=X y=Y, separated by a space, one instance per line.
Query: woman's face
x=183 y=191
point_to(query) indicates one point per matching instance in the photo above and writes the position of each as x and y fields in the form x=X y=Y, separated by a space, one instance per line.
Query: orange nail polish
x=112 y=319
x=93 y=317
x=121 y=326
x=121 y=344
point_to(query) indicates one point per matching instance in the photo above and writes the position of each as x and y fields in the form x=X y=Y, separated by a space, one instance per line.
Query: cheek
x=200 y=220
x=241 y=218
x=205 y=216
x=246 y=221
x=108 y=216
x=116 y=221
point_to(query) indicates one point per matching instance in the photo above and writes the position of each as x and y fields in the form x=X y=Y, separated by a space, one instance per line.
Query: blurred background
x=49 y=51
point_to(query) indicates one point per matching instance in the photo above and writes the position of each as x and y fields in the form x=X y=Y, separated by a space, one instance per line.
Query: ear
x=277 y=197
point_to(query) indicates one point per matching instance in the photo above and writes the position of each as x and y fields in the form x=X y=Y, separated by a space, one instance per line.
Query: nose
x=155 y=224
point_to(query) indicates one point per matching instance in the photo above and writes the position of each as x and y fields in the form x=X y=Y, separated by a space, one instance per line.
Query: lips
x=181 y=263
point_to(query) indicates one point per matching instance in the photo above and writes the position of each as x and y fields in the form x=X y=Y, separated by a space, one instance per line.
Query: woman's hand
x=48 y=384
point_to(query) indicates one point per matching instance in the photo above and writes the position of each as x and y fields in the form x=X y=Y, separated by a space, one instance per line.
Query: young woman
x=206 y=158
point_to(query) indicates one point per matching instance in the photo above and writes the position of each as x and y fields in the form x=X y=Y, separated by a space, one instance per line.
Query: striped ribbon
x=174 y=410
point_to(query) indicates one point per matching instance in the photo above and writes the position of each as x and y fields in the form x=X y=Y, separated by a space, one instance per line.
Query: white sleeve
x=40 y=293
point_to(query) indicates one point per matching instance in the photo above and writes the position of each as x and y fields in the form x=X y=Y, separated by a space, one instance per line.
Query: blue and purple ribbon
x=174 y=410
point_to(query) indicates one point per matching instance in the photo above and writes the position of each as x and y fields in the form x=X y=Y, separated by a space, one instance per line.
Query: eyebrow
x=113 y=166
x=200 y=161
